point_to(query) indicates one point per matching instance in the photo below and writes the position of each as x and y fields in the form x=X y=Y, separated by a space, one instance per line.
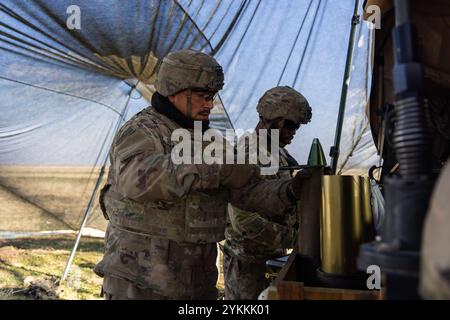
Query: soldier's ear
x=275 y=123
x=171 y=98
x=265 y=123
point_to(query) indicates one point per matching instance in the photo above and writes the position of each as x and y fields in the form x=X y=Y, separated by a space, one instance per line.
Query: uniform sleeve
x=262 y=231
x=145 y=172
x=267 y=197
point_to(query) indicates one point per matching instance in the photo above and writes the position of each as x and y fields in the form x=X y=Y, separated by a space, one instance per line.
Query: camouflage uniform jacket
x=164 y=217
x=252 y=237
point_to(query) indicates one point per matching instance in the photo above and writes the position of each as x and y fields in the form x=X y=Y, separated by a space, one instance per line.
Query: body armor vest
x=200 y=217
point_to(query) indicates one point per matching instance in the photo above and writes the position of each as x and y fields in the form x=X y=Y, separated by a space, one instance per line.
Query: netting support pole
x=334 y=151
x=93 y=195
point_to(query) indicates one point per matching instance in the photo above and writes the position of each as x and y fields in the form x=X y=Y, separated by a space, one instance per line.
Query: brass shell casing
x=345 y=221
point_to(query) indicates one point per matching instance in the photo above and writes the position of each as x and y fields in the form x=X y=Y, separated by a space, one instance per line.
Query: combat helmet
x=188 y=69
x=284 y=102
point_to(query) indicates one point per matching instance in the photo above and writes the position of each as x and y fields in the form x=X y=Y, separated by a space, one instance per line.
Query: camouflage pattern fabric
x=435 y=258
x=251 y=239
x=186 y=69
x=295 y=107
x=243 y=280
x=158 y=266
x=119 y=289
x=165 y=219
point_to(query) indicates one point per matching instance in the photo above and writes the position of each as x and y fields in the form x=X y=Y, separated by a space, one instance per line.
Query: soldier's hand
x=289 y=238
x=296 y=185
x=236 y=176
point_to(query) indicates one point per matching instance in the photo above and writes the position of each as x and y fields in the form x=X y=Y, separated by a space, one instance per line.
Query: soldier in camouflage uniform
x=251 y=239
x=165 y=218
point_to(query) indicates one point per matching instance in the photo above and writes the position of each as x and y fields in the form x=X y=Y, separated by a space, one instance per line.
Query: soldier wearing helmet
x=194 y=74
x=252 y=238
x=285 y=109
x=165 y=218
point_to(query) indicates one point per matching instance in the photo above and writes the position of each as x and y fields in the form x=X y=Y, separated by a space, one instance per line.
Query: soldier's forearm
x=267 y=197
x=156 y=178
x=273 y=235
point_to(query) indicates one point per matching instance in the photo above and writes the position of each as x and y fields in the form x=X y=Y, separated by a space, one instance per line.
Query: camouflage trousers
x=138 y=267
x=243 y=280
x=120 y=289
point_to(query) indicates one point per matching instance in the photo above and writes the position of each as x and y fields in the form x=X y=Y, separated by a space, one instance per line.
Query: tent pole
x=83 y=223
x=334 y=150
x=94 y=193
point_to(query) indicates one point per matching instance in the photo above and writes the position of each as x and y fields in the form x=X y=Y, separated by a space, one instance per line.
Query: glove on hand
x=295 y=188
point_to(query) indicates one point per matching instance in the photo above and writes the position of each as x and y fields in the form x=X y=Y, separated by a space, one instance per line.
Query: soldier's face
x=287 y=130
x=202 y=102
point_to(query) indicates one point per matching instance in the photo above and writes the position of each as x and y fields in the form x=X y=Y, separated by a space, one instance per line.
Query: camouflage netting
x=65 y=90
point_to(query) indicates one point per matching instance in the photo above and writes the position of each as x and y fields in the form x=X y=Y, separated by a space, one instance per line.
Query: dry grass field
x=37 y=199
x=47 y=198
x=31 y=268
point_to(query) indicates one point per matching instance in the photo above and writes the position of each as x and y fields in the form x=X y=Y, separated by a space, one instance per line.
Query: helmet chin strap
x=189 y=104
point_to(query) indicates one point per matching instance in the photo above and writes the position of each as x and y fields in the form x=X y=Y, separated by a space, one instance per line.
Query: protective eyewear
x=206 y=95
x=291 y=125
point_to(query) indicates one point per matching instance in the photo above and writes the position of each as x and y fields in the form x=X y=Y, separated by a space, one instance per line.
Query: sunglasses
x=206 y=95
x=291 y=125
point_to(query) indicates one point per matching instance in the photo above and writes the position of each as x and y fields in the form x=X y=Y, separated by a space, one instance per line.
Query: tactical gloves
x=236 y=176
x=295 y=187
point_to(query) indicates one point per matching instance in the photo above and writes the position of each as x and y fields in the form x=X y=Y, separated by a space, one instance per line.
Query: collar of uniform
x=163 y=105
x=290 y=159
